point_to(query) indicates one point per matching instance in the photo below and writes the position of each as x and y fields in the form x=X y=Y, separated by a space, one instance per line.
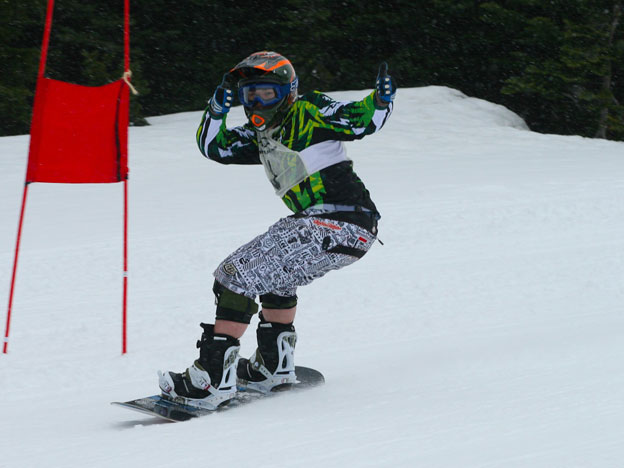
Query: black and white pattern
x=293 y=252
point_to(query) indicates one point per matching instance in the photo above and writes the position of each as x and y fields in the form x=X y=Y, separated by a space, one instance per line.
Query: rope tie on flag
x=126 y=77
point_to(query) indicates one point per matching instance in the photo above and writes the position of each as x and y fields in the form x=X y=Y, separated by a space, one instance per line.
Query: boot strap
x=259 y=367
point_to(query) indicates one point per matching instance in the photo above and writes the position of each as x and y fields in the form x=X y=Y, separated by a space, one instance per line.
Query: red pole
x=126 y=35
x=124 y=331
x=42 y=65
x=124 y=320
x=17 y=245
x=46 y=38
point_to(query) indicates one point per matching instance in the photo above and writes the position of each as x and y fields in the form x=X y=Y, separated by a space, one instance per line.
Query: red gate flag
x=79 y=134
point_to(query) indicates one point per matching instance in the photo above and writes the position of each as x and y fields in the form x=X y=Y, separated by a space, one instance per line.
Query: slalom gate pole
x=42 y=64
x=12 y=290
x=126 y=35
x=124 y=319
x=46 y=39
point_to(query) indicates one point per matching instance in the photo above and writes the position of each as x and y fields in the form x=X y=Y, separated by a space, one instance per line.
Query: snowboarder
x=298 y=140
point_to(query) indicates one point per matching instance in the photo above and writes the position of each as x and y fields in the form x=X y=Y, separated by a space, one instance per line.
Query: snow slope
x=488 y=331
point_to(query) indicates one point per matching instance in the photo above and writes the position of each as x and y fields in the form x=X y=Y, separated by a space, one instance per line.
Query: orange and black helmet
x=269 y=70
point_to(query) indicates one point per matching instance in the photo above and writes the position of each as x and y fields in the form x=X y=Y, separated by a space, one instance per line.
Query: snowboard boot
x=211 y=380
x=273 y=365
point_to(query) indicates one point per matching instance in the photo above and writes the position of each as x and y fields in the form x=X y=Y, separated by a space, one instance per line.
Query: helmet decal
x=264 y=66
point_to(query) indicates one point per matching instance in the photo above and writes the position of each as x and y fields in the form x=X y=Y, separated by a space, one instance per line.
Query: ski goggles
x=265 y=94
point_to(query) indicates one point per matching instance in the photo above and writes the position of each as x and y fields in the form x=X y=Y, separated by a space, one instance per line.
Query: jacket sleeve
x=337 y=120
x=236 y=145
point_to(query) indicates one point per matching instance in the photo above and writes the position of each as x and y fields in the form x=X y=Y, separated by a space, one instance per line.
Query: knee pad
x=273 y=301
x=232 y=306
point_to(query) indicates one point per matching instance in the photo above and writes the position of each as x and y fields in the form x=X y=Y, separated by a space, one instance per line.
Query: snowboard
x=170 y=410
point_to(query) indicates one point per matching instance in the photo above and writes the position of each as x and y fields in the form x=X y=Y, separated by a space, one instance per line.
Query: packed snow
x=488 y=331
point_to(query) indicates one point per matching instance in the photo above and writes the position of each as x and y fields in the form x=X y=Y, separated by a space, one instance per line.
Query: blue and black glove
x=385 y=85
x=221 y=101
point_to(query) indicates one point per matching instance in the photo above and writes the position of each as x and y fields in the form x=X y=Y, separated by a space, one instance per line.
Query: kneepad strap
x=273 y=301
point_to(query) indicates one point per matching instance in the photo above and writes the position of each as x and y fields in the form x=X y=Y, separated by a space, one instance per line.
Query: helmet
x=267 y=87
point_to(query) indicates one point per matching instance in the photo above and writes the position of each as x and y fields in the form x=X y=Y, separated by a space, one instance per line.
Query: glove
x=385 y=85
x=221 y=101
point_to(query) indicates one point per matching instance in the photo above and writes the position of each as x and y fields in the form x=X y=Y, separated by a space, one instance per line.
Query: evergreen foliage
x=19 y=61
x=568 y=66
x=558 y=63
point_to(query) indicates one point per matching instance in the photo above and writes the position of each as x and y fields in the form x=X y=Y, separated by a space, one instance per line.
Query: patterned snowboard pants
x=293 y=252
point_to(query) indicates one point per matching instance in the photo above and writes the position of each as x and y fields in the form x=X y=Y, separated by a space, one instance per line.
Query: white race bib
x=286 y=168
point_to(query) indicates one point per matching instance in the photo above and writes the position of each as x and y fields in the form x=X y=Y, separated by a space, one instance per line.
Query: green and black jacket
x=314 y=128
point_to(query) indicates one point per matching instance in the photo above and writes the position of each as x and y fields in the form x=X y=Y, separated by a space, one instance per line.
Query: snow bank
x=486 y=332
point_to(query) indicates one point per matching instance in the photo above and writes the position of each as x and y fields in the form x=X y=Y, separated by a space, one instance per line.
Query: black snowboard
x=159 y=406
